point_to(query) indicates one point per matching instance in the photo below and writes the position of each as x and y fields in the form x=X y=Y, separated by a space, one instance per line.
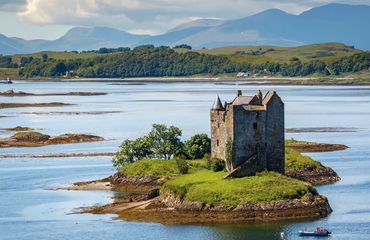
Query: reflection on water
x=29 y=211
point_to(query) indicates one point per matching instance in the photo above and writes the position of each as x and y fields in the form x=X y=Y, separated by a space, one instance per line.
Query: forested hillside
x=149 y=61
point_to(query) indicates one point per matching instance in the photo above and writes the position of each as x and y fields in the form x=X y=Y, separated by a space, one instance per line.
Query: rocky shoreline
x=316 y=176
x=303 y=146
x=145 y=200
x=168 y=208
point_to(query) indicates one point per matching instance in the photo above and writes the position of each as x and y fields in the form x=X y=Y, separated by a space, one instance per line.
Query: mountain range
x=344 y=23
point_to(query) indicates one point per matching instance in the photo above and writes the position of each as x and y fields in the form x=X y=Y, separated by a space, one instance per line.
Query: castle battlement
x=248 y=133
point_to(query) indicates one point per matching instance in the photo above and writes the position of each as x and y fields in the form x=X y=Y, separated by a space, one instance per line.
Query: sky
x=50 y=19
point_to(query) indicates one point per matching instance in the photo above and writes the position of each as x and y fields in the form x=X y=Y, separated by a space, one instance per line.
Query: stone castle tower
x=248 y=133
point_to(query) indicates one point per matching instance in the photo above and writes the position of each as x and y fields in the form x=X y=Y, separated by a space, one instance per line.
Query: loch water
x=29 y=210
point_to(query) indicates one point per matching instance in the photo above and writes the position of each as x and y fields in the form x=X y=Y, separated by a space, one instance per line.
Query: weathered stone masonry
x=248 y=133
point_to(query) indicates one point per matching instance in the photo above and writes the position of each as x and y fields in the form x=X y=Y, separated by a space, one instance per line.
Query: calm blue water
x=29 y=211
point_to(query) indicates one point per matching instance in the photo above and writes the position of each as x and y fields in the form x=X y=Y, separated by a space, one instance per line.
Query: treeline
x=148 y=61
x=6 y=62
x=139 y=62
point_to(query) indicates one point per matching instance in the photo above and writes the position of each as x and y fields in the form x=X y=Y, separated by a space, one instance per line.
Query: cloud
x=12 y=6
x=146 y=16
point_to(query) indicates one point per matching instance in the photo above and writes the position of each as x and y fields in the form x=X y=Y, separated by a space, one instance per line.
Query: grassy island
x=169 y=181
x=211 y=188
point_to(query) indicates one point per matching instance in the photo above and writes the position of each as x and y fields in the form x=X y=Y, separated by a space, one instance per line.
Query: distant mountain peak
x=202 y=22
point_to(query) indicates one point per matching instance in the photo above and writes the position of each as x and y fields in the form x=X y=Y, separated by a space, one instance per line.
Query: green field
x=11 y=73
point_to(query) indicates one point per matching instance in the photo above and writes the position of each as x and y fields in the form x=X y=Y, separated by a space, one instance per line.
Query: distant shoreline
x=304 y=81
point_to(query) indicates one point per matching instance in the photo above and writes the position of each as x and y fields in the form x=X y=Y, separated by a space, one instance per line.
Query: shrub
x=218 y=165
x=182 y=165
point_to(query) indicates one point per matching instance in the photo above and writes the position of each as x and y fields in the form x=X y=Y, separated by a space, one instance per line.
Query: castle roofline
x=247 y=100
x=217 y=104
x=242 y=100
x=269 y=96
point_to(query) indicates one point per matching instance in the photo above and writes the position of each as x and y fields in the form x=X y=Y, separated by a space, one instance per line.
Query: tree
x=125 y=154
x=45 y=57
x=131 y=151
x=165 y=141
x=25 y=60
x=197 y=146
x=184 y=46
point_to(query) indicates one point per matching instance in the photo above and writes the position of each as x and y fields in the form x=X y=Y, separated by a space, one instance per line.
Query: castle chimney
x=239 y=93
x=259 y=95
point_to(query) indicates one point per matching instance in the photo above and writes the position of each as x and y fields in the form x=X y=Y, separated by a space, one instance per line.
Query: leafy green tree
x=125 y=154
x=165 y=141
x=45 y=57
x=131 y=151
x=197 y=146
x=25 y=60
x=184 y=46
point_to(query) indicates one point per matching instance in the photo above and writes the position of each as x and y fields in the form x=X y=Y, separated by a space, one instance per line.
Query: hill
x=329 y=23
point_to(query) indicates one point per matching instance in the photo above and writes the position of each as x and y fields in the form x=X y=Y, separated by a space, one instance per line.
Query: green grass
x=11 y=73
x=327 y=52
x=210 y=188
x=159 y=168
x=295 y=160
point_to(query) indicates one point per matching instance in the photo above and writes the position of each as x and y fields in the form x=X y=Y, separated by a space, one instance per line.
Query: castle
x=248 y=133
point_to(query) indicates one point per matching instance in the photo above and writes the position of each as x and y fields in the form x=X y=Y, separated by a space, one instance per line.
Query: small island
x=22 y=105
x=18 y=129
x=12 y=93
x=37 y=139
x=214 y=180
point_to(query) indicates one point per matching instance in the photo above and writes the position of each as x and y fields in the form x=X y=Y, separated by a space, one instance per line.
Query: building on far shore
x=248 y=133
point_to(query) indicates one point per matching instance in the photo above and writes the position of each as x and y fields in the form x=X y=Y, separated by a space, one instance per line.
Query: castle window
x=218 y=125
x=255 y=126
x=218 y=143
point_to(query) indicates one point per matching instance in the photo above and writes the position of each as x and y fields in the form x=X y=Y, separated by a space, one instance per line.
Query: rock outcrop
x=316 y=176
x=36 y=139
